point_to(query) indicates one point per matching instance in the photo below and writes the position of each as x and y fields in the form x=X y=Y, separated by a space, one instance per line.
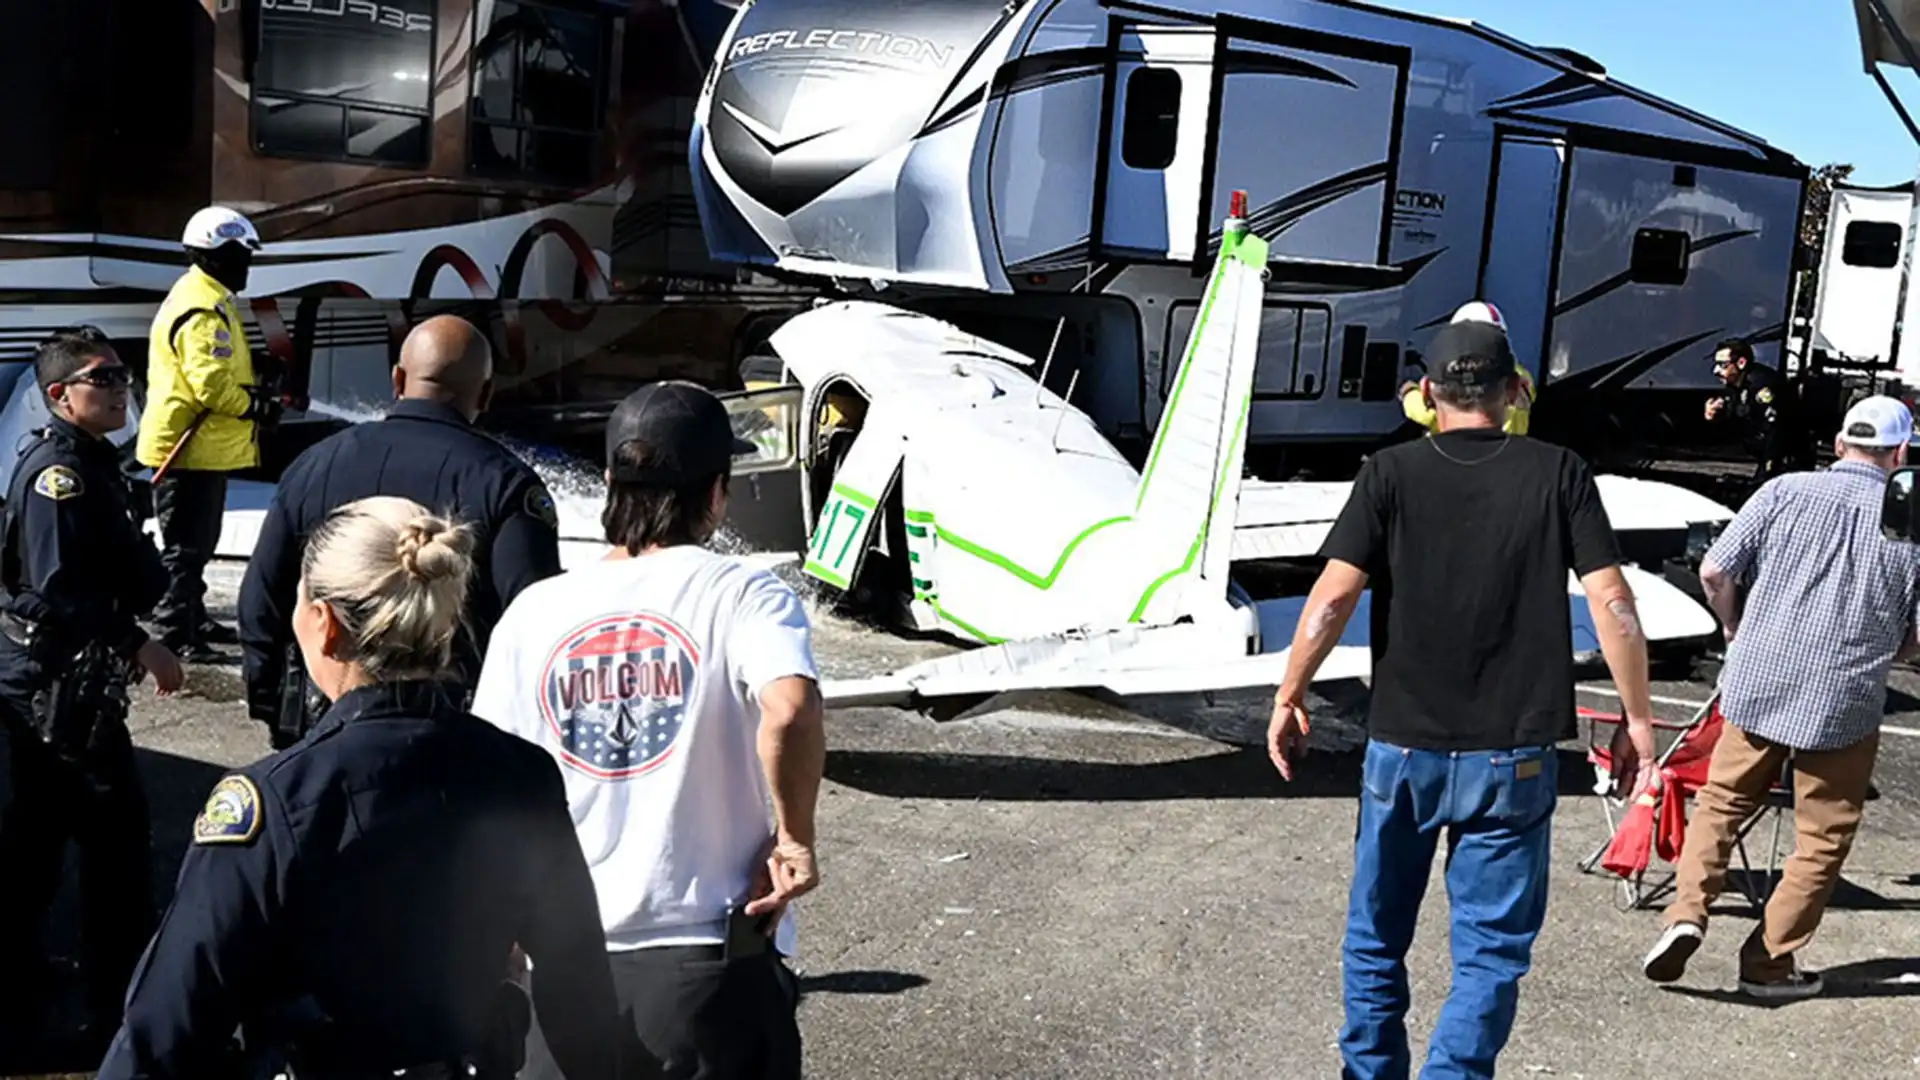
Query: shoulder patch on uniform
x=1765 y=396
x=221 y=335
x=58 y=482
x=540 y=505
x=232 y=813
x=222 y=351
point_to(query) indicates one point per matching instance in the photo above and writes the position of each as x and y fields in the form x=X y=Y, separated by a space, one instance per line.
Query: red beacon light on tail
x=1236 y=222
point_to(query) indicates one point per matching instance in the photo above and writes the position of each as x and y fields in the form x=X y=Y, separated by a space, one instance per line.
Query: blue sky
x=1786 y=70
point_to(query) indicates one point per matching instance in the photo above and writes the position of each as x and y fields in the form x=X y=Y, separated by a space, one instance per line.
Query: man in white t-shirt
x=677 y=690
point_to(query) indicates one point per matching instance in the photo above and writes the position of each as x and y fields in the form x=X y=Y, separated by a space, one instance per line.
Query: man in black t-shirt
x=1465 y=539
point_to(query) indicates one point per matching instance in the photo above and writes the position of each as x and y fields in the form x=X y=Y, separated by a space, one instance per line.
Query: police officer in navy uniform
x=1765 y=408
x=426 y=449
x=77 y=574
x=353 y=905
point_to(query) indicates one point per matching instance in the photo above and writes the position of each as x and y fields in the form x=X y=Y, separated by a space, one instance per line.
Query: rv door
x=1162 y=94
x=1858 y=299
x=764 y=506
x=1516 y=266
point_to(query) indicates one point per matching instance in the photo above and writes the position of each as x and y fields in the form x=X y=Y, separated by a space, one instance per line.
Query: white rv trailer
x=1856 y=306
x=1889 y=32
x=1006 y=164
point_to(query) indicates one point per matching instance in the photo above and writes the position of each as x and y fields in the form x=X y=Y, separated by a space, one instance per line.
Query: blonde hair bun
x=432 y=548
x=396 y=577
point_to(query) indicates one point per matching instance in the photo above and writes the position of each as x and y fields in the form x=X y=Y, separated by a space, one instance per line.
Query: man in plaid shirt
x=1829 y=607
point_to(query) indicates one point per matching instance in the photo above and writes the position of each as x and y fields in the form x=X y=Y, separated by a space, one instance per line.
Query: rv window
x=1873 y=244
x=345 y=81
x=538 y=83
x=1660 y=257
x=1153 y=118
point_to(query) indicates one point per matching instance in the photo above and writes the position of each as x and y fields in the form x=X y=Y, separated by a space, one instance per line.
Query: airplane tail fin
x=1190 y=488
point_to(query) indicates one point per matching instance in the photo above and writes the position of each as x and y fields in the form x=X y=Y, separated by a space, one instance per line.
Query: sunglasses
x=105 y=376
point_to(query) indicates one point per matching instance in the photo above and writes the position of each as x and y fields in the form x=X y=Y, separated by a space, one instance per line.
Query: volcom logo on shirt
x=615 y=694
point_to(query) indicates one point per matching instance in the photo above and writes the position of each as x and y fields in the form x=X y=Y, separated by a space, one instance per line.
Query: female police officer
x=350 y=903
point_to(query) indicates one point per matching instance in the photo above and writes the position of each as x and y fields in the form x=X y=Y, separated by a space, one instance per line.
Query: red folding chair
x=1655 y=823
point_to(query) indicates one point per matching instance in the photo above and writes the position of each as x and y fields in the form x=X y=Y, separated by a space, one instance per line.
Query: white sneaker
x=1668 y=959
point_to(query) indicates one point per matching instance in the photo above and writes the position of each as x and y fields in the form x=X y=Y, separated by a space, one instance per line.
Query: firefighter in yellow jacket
x=1419 y=410
x=204 y=410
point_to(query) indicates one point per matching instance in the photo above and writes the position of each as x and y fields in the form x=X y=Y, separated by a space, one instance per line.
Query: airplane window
x=1874 y=244
x=1661 y=257
x=1152 y=126
x=538 y=88
x=344 y=81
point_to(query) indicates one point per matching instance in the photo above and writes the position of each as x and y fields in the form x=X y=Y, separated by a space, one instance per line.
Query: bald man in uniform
x=426 y=449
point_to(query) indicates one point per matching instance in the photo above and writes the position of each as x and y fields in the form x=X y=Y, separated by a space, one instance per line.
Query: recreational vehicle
x=1051 y=174
x=520 y=162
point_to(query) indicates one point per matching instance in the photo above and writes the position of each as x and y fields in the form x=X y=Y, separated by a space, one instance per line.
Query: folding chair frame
x=1638 y=893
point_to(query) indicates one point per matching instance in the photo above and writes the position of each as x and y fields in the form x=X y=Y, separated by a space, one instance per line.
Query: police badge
x=57 y=482
x=232 y=813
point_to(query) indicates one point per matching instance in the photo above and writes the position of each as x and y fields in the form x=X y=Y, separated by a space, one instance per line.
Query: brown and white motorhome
x=522 y=162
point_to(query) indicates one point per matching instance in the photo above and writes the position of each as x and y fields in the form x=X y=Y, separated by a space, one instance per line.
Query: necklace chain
x=1435 y=443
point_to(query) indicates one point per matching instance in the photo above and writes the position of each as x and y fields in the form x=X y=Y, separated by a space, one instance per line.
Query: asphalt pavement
x=1073 y=889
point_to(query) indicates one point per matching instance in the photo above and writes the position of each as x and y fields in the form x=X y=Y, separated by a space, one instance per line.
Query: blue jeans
x=1497 y=808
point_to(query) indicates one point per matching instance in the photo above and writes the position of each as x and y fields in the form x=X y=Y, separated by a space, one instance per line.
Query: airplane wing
x=1136 y=660
x=1666 y=614
x=1290 y=520
x=1285 y=520
x=1185 y=658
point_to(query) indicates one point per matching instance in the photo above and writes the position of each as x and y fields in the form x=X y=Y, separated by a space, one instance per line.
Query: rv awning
x=1878 y=46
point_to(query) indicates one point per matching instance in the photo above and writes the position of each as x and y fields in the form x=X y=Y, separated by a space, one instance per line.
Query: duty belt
x=83 y=697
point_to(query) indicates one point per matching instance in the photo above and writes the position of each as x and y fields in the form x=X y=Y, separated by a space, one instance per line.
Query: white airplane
x=1025 y=531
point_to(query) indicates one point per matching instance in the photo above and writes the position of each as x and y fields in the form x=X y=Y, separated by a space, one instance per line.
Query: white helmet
x=1480 y=311
x=217 y=225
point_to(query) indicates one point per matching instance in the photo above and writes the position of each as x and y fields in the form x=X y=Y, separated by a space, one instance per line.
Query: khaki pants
x=1829 y=792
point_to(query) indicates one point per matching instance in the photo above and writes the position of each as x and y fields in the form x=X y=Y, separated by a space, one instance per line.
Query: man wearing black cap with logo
x=1465 y=540
x=676 y=688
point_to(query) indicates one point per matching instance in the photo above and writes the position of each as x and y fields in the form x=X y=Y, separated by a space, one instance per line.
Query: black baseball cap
x=685 y=427
x=1471 y=354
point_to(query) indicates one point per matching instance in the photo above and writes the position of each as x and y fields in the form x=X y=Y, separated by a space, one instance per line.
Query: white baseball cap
x=217 y=225
x=1480 y=311
x=1878 y=421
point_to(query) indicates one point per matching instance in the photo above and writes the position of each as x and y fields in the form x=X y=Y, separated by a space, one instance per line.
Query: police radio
x=301 y=703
